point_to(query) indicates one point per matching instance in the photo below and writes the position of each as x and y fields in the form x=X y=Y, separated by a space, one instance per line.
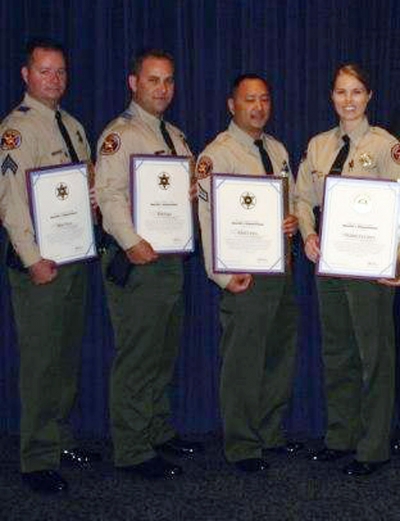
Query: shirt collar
x=148 y=118
x=243 y=137
x=43 y=109
x=356 y=134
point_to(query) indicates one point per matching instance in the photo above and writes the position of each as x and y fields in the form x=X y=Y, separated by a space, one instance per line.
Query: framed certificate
x=161 y=210
x=359 y=230
x=247 y=217
x=61 y=212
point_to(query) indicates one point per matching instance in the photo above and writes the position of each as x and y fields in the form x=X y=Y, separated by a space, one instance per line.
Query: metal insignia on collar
x=365 y=160
x=10 y=139
x=110 y=145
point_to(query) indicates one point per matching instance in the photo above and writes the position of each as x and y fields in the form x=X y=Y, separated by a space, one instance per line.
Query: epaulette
x=126 y=115
x=223 y=137
x=23 y=108
x=381 y=132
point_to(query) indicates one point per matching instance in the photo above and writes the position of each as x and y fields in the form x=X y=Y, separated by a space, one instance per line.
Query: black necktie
x=167 y=137
x=64 y=132
x=340 y=160
x=266 y=161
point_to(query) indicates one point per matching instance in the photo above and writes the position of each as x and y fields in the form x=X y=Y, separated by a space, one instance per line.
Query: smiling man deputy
x=48 y=300
x=144 y=289
x=258 y=313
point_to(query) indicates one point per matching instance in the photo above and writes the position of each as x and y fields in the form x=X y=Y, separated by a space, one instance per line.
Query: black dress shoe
x=251 y=465
x=155 y=468
x=180 y=447
x=80 y=458
x=327 y=454
x=291 y=448
x=363 y=468
x=395 y=446
x=45 y=481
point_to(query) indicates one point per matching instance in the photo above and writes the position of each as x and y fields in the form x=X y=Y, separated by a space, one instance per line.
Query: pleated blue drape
x=296 y=44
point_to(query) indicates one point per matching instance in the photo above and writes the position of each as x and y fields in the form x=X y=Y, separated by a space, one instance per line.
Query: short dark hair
x=137 y=61
x=42 y=43
x=247 y=76
x=353 y=70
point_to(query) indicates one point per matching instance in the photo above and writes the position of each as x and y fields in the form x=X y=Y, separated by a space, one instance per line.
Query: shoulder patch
x=395 y=153
x=111 y=144
x=10 y=139
x=204 y=167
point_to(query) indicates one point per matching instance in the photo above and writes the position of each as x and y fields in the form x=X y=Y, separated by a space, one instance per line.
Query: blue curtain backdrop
x=296 y=44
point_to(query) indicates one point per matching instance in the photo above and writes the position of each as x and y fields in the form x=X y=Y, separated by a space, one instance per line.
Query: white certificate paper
x=61 y=212
x=161 y=209
x=247 y=217
x=360 y=223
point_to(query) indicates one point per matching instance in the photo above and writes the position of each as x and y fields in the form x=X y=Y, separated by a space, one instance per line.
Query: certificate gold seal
x=62 y=191
x=362 y=203
x=164 y=180
x=248 y=200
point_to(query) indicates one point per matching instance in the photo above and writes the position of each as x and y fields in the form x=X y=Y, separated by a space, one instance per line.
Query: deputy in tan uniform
x=144 y=289
x=48 y=300
x=356 y=315
x=258 y=313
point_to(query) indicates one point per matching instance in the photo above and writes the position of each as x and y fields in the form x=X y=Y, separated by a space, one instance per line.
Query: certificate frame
x=61 y=212
x=256 y=213
x=360 y=241
x=162 y=212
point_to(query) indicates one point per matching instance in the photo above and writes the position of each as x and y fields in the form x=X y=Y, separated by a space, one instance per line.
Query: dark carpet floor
x=293 y=489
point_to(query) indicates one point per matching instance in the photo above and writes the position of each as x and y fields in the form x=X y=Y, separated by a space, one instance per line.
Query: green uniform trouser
x=146 y=316
x=359 y=354
x=50 y=322
x=258 y=347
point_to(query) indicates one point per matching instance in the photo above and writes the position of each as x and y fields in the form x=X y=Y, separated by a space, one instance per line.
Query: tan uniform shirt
x=373 y=153
x=135 y=131
x=30 y=138
x=233 y=152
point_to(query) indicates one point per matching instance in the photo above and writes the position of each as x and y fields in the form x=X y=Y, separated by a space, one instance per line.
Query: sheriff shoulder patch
x=111 y=144
x=204 y=167
x=10 y=139
x=395 y=153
